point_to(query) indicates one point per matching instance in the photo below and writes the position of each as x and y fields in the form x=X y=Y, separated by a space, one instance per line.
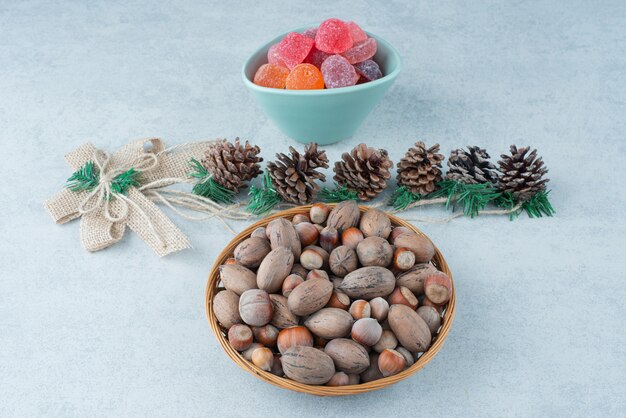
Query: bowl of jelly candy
x=320 y=83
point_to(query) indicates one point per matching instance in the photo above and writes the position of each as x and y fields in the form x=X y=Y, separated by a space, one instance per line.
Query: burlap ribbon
x=104 y=218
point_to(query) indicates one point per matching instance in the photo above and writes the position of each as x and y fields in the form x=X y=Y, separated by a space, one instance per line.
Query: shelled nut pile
x=332 y=297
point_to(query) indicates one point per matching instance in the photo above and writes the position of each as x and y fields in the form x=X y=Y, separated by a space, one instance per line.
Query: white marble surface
x=540 y=322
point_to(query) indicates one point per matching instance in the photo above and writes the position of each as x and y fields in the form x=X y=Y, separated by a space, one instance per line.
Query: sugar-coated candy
x=310 y=33
x=271 y=75
x=294 y=48
x=333 y=36
x=316 y=57
x=338 y=72
x=362 y=51
x=305 y=77
x=357 y=34
x=368 y=70
x=273 y=57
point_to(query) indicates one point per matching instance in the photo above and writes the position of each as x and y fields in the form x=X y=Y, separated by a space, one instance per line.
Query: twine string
x=100 y=197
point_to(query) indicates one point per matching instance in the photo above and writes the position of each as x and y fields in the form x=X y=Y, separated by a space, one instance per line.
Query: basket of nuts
x=331 y=300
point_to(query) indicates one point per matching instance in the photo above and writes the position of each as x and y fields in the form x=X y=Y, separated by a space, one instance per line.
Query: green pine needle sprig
x=338 y=194
x=122 y=182
x=264 y=198
x=207 y=187
x=539 y=205
x=474 y=197
x=507 y=201
x=84 y=179
x=87 y=177
x=403 y=197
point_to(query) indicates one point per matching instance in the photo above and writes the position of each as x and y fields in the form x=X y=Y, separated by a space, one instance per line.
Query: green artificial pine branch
x=207 y=187
x=474 y=197
x=122 y=182
x=84 y=179
x=87 y=178
x=403 y=197
x=338 y=194
x=264 y=198
x=507 y=201
x=538 y=205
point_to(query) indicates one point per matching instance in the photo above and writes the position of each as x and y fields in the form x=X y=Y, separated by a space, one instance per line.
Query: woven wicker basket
x=213 y=286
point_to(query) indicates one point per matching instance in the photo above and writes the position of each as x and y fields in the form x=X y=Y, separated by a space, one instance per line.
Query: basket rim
x=285 y=383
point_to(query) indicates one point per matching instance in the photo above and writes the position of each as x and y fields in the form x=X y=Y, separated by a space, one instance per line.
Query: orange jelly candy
x=305 y=77
x=271 y=75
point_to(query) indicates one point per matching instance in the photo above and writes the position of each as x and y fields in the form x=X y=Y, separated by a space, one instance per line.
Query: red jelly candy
x=310 y=33
x=356 y=32
x=271 y=75
x=368 y=70
x=338 y=72
x=294 y=48
x=316 y=57
x=333 y=36
x=362 y=51
x=273 y=57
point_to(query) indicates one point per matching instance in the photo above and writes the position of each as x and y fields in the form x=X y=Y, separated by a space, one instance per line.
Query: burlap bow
x=105 y=214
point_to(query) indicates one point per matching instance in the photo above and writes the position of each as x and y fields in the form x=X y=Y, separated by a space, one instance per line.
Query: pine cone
x=364 y=170
x=471 y=167
x=232 y=164
x=294 y=177
x=522 y=174
x=420 y=169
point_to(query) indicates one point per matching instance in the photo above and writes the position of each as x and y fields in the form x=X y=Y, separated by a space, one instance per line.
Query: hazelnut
x=432 y=318
x=402 y=295
x=351 y=237
x=266 y=335
x=427 y=302
x=380 y=308
x=360 y=309
x=294 y=336
x=240 y=336
x=403 y=259
x=407 y=356
x=339 y=379
x=319 y=212
x=387 y=340
x=366 y=331
x=290 y=283
x=230 y=261
x=391 y=362
x=438 y=288
x=263 y=358
x=329 y=238
x=307 y=233
x=311 y=260
x=338 y=300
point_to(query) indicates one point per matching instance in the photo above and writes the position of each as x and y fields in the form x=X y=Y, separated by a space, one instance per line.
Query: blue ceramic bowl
x=323 y=116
